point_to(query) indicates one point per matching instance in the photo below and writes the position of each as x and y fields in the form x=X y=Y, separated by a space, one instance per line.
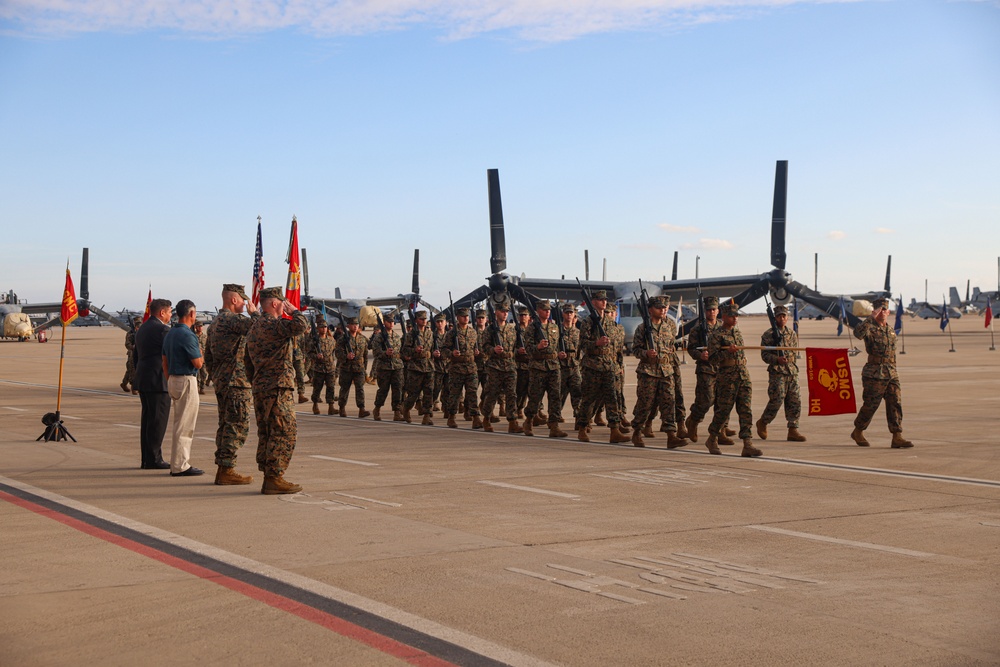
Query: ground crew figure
x=732 y=383
x=269 y=344
x=352 y=354
x=782 y=377
x=130 y=356
x=600 y=368
x=440 y=361
x=300 y=374
x=501 y=369
x=417 y=348
x=460 y=347
x=879 y=377
x=541 y=344
x=387 y=365
x=569 y=368
x=226 y=355
x=322 y=351
x=655 y=375
x=199 y=332
x=523 y=366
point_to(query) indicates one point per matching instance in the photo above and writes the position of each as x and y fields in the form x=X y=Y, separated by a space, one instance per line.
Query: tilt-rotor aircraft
x=744 y=290
x=858 y=304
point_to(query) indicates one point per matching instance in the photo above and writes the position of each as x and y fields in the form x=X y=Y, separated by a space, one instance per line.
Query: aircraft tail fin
x=953 y=298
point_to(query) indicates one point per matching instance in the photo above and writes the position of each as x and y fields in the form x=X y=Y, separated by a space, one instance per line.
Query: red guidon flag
x=149 y=301
x=292 y=290
x=69 y=310
x=831 y=391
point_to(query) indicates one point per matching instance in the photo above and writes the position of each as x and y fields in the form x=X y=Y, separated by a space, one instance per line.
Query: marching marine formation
x=782 y=377
x=601 y=340
x=654 y=348
x=416 y=352
x=499 y=343
x=461 y=344
x=541 y=345
x=387 y=367
x=732 y=386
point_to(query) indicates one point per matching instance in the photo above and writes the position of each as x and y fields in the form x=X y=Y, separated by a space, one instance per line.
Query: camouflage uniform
x=655 y=378
x=544 y=367
x=523 y=376
x=420 y=371
x=879 y=377
x=352 y=371
x=462 y=372
x=440 y=362
x=501 y=370
x=298 y=348
x=704 y=373
x=782 y=379
x=569 y=371
x=600 y=371
x=680 y=410
x=269 y=344
x=388 y=369
x=226 y=354
x=129 y=358
x=204 y=370
x=732 y=385
x=322 y=353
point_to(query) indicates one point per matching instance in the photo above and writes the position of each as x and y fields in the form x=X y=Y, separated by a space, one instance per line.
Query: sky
x=155 y=134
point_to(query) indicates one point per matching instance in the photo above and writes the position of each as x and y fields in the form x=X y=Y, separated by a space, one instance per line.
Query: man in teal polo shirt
x=181 y=362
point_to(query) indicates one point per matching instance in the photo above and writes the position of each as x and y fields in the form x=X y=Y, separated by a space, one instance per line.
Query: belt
x=729 y=364
x=542 y=357
x=872 y=359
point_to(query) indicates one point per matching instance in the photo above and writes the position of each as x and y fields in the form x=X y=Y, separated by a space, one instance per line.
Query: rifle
x=348 y=345
x=562 y=331
x=453 y=320
x=702 y=322
x=643 y=302
x=594 y=317
x=382 y=330
x=494 y=327
x=774 y=326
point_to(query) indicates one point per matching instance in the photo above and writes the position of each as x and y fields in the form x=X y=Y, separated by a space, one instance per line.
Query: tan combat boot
x=581 y=434
x=749 y=450
x=302 y=398
x=555 y=431
x=487 y=426
x=899 y=442
x=545 y=417
x=674 y=441
x=397 y=416
x=514 y=427
x=538 y=420
x=681 y=430
x=406 y=417
x=362 y=413
x=762 y=429
x=466 y=416
x=376 y=414
x=477 y=422
x=858 y=436
x=274 y=486
x=315 y=408
x=624 y=427
x=520 y=413
x=637 y=439
x=343 y=410
x=617 y=435
x=692 y=428
x=795 y=436
x=229 y=477
x=427 y=421
x=724 y=439
x=599 y=419
x=713 y=444
x=730 y=432
x=527 y=429
x=647 y=430
x=451 y=422
x=330 y=410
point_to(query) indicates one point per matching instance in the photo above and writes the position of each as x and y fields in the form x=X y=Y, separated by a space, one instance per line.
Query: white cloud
x=836 y=235
x=666 y=226
x=884 y=230
x=536 y=20
x=709 y=244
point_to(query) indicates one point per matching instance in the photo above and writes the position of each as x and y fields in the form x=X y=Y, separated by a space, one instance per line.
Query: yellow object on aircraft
x=368 y=316
x=17 y=325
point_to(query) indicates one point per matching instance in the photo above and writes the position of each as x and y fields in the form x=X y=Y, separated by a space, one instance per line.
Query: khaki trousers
x=183 y=390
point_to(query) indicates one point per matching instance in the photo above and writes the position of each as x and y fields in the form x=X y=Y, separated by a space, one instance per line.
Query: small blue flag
x=899 y=316
x=944 y=314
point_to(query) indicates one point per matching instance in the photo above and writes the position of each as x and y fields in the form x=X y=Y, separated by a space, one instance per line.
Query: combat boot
x=581 y=434
x=343 y=410
x=229 y=477
x=487 y=426
x=124 y=387
x=555 y=431
x=406 y=417
x=795 y=436
x=624 y=428
x=681 y=430
x=477 y=422
x=302 y=398
x=494 y=419
x=315 y=408
x=674 y=441
x=274 y=486
x=858 y=436
x=617 y=436
x=692 y=428
x=538 y=420
x=599 y=419
x=376 y=414
x=528 y=428
x=451 y=422
x=723 y=438
x=330 y=410
x=514 y=427
x=466 y=416
x=749 y=450
x=545 y=417
x=713 y=444
x=762 y=429
x=520 y=413
x=899 y=442
x=362 y=413
x=648 y=429
x=397 y=416
x=663 y=427
x=729 y=431
x=637 y=439
x=427 y=421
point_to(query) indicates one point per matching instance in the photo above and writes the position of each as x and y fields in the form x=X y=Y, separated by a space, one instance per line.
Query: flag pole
x=54 y=428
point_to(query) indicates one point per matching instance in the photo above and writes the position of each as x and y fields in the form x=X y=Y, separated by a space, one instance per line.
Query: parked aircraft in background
x=929 y=311
x=859 y=304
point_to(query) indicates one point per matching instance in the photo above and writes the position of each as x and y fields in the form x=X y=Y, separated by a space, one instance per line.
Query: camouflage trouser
x=234 y=423
x=704 y=396
x=300 y=374
x=202 y=378
x=347 y=378
x=523 y=382
x=598 y=387
x=569 y=386
x=732 y=388
x=500 y=384
x=874 y=391
x=418 y=383
x=129 y=371
x=680 y=414
x=457 y=382
x=540 y=384
x=321 y=380
x=783 y=389
x=441 y=390
x=654 y=394
x=276 y=430
x=389 y=379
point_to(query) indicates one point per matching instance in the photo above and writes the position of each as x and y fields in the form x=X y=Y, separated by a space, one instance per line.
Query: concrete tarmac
x=428 y=545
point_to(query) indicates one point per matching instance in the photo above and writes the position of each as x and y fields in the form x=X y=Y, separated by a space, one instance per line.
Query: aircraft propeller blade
x=469 y=300
x=778 y=215
x=888 y=271
x=673 y=274
x=828 y=304
x=85 y=276
x=110 y=318
x=498 y=244
x=752 y=293
x=416 y=271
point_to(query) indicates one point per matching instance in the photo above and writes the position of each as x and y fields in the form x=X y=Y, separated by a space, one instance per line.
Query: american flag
x=258 y=269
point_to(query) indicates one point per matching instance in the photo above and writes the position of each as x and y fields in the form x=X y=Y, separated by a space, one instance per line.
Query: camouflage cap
x=521 y=310
x=440 y=317
x=730 y=308
x=780 y=310
x=137 y=319
x=462 y=311
x=568 y=308
x=881 y=302
x=543 y=304
x=600 y=294
x=658 y=302
x=480 y=313
x=198 y=324
x=711 y=302
x=502 y=307
x=233 y=287
x=351 y=320
x=421 y=315
x=321 y=323
x=272 y=293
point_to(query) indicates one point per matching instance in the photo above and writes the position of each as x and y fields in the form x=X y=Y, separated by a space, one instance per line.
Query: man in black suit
x=152 y=384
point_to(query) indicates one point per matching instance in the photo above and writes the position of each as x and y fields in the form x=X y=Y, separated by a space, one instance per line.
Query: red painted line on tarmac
x=347 y=629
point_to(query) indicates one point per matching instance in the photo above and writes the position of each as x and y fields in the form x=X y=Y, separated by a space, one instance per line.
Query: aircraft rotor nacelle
x=83 y=307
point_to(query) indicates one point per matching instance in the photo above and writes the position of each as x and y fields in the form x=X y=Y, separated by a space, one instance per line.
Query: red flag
x=69 y=311
x=294 y=273
x=258 y=269
x=149 y=301
x=989 y=313
x=831 y=391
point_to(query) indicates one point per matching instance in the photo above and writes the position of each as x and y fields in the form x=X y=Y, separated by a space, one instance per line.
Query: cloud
x=836 y=235
x=534 y=20
x=884 y=230
x=666 y=226
x=709 y=244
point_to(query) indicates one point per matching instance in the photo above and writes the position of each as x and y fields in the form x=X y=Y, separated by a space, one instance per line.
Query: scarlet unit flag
x=149 y=301
x=258 y=269
x=69 y=311
x=989 y=313
x=831 y=391
x=294 y=272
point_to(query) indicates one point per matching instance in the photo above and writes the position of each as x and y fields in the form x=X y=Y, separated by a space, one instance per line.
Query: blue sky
x=155 y=134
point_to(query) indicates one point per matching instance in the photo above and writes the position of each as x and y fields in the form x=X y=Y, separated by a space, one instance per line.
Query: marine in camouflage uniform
x=501 y=369
x=600 y=368
x=879 y=377
x=298 y=353
x=439 y=359
x=203 y=373
x=782 y=377
x=569 y=371
x=416 y=352
x=460 y=345
x=704 y=371
x=226 y=355
x=269 y=344
x=480 y=325
x=387 y=366
x=655 y=374
x=352 y=358
x=523 y=366
x=322 y=353
x=130 y=356
x=541 y=344
x=732 y=383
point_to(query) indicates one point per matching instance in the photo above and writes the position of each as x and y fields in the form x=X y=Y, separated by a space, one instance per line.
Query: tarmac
x=433 y=546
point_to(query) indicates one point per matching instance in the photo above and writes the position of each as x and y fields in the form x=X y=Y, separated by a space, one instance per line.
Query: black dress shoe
x=162 y=465
x=190 y=472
